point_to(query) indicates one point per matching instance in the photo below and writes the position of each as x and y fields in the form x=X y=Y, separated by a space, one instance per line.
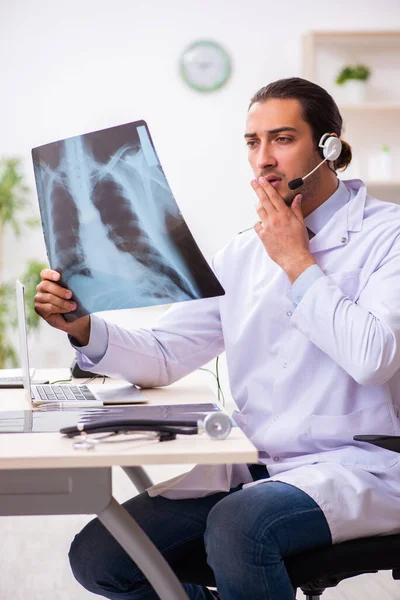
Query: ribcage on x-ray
x=124 y=230
x=66 y=232
x=112 y=225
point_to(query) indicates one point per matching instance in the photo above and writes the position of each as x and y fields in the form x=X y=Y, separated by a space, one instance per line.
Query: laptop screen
x=23 y=339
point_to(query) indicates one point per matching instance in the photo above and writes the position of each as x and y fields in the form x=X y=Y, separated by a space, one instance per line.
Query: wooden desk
x=41 y=473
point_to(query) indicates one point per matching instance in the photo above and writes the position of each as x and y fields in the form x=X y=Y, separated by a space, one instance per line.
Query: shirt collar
x=319 y=217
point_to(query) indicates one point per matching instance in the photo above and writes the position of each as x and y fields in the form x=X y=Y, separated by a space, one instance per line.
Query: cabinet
x=375 y=122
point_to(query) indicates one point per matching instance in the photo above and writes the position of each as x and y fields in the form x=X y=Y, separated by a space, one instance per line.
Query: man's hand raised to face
x=282 y=230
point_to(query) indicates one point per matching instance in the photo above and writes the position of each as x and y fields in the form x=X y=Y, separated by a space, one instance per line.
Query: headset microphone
x=331 y=148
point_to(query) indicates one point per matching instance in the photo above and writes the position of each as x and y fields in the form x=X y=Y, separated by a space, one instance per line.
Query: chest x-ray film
x=112 y=226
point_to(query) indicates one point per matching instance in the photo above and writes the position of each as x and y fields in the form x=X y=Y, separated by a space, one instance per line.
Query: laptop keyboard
x=63 y=393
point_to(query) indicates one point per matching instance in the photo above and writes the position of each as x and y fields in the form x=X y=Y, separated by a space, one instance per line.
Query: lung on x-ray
x=112 y=226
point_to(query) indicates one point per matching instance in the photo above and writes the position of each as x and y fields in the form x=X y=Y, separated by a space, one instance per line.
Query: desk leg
x=139 y=478
x=142 y=551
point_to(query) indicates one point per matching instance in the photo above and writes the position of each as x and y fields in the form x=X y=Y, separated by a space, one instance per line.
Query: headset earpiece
x=331 y=149
x=331 y=146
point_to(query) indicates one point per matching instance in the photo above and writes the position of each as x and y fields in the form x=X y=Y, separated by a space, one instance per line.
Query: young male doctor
x=310 y=324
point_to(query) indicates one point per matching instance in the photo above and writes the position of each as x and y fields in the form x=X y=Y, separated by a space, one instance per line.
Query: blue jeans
x=243 y=535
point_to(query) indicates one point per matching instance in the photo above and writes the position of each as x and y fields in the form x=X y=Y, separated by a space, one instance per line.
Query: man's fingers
x=54 y=301
x=297 y=200
x=259 y=228
x=50 y=274
x=47 y=285
x=263 y=196
x=262 y=213
x=46 y=311
x=296 y=207
x=274 y=198
x=53 y=288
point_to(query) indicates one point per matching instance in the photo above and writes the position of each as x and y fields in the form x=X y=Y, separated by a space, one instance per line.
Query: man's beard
x=307 y=190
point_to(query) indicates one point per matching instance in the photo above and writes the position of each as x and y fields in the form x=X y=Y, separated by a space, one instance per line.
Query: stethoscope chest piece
x=217 y=425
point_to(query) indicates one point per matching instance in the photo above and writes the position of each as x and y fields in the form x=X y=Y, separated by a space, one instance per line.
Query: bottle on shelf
x=385 y=163
x=380 y=166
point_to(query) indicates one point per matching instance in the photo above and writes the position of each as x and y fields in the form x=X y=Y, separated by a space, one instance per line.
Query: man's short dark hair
x=320 y=110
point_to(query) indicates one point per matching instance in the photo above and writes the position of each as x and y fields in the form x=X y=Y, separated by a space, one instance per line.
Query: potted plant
x=354 y=78
x=13 y=202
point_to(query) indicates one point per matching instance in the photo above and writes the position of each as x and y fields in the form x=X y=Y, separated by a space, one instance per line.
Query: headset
x=331 y=150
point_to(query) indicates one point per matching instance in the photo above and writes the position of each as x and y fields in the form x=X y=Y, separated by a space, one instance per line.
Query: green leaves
x=360 y=72
x=31 y=278
x=8 y=313
x=8 y=355
x=14 y=201
x=13 y=193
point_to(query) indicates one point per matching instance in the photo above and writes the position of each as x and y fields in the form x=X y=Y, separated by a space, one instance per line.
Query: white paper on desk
x=46 y=420
x=118 y=393
x=11 y=373
x=38 y=421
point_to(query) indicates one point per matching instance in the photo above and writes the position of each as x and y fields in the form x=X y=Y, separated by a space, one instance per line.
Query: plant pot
x=355 y=91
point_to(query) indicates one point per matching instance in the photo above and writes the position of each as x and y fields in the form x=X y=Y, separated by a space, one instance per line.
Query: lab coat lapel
x=348 y=218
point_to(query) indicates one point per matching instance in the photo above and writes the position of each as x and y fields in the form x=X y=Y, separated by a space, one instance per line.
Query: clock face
x=205 y=66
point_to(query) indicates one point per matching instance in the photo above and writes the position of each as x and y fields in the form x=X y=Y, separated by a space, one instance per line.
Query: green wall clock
x=205 y=66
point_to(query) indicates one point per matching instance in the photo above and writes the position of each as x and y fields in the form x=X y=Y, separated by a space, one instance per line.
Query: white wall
x=69 y=67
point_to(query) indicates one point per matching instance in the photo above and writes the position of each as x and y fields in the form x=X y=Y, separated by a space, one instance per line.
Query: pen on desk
x=71 y=404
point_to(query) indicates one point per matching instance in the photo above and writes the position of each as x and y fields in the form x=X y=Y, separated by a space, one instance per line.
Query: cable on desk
x=216 y=375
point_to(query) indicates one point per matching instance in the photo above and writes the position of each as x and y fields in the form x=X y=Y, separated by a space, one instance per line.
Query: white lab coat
x=306 y=378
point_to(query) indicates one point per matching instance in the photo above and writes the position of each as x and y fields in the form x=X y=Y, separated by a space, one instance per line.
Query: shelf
x=371 y=106
x=375 y=183
x=383 y=184
x=343 y=34
x=326 y=52
x=355 y=39
x=371 y=122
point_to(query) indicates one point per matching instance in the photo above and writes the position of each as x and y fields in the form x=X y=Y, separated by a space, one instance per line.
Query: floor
x=34 y=565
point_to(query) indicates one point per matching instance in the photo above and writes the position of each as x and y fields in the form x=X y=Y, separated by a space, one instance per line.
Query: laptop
x=12 y=378
x=67 y=395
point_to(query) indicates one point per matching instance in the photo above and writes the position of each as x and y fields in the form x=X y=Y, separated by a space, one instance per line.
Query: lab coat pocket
x=335 y=432
x=348 y=282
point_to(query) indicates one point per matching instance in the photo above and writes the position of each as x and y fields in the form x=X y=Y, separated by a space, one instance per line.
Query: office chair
x=316 y=570
x=311 y=571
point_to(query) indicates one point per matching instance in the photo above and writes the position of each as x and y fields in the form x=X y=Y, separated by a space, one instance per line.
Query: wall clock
x=205 y=66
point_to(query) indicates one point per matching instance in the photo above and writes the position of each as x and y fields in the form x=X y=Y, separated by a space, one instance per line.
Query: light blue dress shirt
x=97 y=346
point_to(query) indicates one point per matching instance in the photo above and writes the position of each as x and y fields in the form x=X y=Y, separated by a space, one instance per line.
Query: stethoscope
x=216 y=425
x=89 y=442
